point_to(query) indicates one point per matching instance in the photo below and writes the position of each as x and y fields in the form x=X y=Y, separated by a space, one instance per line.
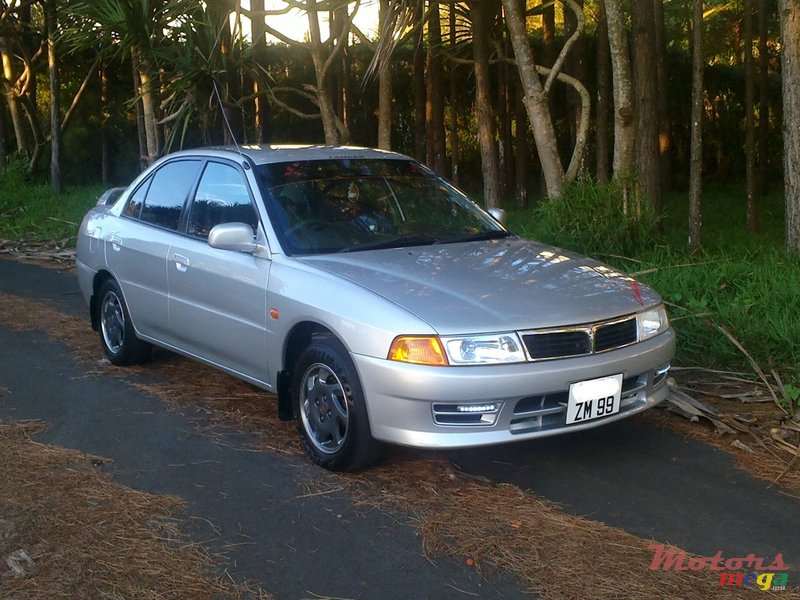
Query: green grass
x=33 y=212
x=740 y=281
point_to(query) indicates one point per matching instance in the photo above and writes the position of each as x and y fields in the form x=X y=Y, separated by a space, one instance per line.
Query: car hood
x=498 y=285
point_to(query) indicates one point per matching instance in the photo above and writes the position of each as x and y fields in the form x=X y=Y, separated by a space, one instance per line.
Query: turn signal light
x=418 y=350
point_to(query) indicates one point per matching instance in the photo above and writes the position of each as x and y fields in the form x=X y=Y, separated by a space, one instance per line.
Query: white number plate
x=594 y=398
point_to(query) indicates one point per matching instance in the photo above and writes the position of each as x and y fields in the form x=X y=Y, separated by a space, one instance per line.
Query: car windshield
x=350 y=205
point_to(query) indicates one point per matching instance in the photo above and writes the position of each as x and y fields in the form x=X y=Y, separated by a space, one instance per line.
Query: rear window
x=166 y=194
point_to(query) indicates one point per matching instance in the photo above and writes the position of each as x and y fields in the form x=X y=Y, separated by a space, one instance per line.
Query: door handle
x=181 y=262
x=115 y=241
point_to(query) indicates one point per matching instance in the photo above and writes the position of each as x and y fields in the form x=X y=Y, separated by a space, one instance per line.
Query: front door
x=218 y=298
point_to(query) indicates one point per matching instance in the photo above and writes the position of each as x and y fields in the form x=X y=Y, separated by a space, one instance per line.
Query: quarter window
x=222 y=197
x=168 y=192
x=133 y=207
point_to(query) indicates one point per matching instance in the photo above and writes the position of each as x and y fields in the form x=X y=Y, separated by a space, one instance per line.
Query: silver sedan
x=378 y=302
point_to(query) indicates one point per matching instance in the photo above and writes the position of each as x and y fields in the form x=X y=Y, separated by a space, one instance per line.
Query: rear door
x=136 y=250
x=217 y=298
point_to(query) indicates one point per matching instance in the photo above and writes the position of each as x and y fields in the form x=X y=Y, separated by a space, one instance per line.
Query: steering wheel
x=309 y=224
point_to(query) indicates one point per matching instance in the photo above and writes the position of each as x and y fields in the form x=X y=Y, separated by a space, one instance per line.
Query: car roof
x=266 y=154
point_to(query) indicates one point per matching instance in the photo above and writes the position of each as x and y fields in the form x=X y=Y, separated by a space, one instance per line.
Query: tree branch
x=340 y=41
x=363 y=37
x=285 y=39
x=79 y=94
x=562 y=56
x=463 y=61
x=290 y=109
x=582 y=134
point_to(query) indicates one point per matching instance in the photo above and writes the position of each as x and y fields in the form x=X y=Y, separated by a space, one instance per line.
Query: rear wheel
x=117 y=335
x=330 y=409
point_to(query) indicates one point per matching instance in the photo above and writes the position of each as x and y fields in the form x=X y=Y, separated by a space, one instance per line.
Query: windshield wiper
x=397 y=242
x=492 y=234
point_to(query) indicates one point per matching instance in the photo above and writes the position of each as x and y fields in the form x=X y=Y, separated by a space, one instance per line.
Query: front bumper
x=404 y=401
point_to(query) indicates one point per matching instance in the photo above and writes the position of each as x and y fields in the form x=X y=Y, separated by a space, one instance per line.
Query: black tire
x=117 y=335
x=329 y=406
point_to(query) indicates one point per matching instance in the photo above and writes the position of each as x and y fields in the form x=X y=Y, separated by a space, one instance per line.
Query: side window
x=222 y=197
x=168 y=192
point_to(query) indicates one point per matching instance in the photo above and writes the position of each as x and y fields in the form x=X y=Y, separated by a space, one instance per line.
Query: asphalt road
x=647 y=481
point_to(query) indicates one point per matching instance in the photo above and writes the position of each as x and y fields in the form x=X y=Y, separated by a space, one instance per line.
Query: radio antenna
x=225 y=118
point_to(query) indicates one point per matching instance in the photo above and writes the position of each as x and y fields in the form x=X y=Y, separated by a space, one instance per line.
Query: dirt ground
x=555 y=555
x=67 y=530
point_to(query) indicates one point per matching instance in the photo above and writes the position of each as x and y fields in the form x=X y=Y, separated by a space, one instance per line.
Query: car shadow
x=650 y=482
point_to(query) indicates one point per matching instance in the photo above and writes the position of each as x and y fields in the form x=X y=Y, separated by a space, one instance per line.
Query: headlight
x=652 y=322
x=489 y=349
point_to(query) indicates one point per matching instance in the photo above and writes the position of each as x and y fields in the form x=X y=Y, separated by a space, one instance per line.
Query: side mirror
x=233 y=236
x=110 y=196
x=499 y=215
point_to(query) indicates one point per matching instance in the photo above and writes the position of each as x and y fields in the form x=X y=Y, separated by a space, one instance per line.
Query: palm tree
x=138 y=28
x=197 y=82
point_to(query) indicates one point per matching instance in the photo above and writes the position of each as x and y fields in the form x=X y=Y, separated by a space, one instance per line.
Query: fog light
x=473 y=408
x=467 y=415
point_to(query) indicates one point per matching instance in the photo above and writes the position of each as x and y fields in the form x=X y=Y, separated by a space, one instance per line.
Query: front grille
x=581 y=339
x=557 y=344
x=615 y=335
x=548 y=411
x=545 y=403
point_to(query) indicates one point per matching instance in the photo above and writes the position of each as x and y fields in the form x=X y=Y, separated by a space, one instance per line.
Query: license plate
x=594 y=398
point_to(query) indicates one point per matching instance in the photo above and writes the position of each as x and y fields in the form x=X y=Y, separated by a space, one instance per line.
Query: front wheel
x=117 y=335
x=330 y=409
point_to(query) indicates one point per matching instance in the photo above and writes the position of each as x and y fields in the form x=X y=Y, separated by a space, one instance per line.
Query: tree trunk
x=140 y=128
x=55 y=97
x=790 y=60
x=646 y=105
x=624 y=132
x=384 y=89
x=662 y=78
x=105 y=159
x=149 y=113
x=750 y=122
x=260 y=103
x=521 y=149
x=147 y=94
x=550 y=52
x=549 y=35
x=604 y=98
x=483 y=105
x=763 y=100
x=2 y=139
x=576 y=67
x=504 y=111
x=219 y=14
x=343 y=85
x=418 y=83
x=454 y=101
x=385 y=107
x=14 y=105
x=536 y=101
x=696 y=159
x=323 y=93
x=434 y=108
